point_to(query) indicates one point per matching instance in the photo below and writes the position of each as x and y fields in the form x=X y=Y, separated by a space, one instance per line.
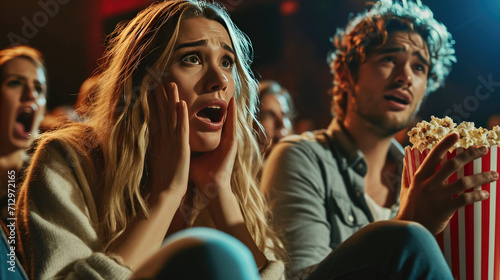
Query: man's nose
x=404 y=76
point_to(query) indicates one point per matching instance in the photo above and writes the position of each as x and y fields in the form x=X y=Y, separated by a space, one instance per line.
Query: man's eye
x=420 y=68
x=191 y=59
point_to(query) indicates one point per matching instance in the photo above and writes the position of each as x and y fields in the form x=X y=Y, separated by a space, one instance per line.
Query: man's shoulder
x=312 y=142
x=308 y=138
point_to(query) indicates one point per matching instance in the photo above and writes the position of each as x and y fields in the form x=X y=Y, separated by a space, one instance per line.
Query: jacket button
x=350 y=218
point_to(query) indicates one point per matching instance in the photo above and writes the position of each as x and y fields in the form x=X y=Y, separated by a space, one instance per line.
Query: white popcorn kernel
x=425 y=135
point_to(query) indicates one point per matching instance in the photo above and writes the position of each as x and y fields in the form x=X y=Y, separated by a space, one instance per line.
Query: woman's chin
x=12 y=145
x=204 y=144
x=22 y=144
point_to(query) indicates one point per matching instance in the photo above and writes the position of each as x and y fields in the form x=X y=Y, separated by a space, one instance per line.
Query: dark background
x=291 y=42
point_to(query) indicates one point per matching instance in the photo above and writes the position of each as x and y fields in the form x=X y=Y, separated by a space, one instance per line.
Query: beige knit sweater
x=57 y=218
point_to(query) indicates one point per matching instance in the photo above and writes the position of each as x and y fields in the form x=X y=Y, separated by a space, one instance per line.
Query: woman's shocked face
x=22 y=103
x=202 y=67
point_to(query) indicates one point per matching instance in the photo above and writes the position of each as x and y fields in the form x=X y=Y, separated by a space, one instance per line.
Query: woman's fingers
x=182 y=123
x=161 y=108
x=153 y=111
x=173 y=100
x=165 y=108
x=229 y=130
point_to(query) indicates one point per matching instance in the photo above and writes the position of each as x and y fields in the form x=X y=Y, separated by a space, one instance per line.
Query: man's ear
x=345 y=79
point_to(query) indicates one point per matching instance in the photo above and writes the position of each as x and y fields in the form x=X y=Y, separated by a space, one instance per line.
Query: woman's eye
x=191 y=59
x=388 y=59
x=39 y=89
x=227 y=62
x=14 y=83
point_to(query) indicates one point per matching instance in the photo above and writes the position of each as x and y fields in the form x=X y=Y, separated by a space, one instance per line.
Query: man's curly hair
x=369 y=30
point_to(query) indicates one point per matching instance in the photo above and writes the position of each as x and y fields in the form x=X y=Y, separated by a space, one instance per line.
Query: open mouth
x=214 y=114
x=396 y=99
x=26 y=119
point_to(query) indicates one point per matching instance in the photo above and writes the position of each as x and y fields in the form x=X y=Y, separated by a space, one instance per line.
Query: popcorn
x=493 y=136
x=425 y=135
x=473 y=229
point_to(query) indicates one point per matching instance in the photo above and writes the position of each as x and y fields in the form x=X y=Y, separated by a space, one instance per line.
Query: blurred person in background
x=86 y=95
x=23 y=91
x=493 y=121
x=276 y=114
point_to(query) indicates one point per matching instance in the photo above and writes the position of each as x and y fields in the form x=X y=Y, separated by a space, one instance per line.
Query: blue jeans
x=386 y=250
x=203 y=253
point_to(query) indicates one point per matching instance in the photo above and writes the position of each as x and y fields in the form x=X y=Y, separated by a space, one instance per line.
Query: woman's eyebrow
x=203 y=43
x=23 y=78
x=228 y=48
x=191 y=44
x=16 y=76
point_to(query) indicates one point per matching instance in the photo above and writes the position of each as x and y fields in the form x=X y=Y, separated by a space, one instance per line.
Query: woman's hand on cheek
x=169 y=141
x=211 y=171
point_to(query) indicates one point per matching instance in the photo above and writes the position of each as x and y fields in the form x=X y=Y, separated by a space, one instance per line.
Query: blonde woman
x=168 y=146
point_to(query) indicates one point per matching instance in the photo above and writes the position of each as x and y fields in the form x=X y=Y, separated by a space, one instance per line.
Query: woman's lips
x=24 y=122
x=20 y=132
x=211 y=115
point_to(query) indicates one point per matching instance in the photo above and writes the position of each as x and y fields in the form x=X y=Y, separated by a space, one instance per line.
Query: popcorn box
x=471 y=240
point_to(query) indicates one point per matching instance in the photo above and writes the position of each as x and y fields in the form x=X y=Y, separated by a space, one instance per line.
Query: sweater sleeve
x=293 y=182
x=275 y=270
x=57 y=219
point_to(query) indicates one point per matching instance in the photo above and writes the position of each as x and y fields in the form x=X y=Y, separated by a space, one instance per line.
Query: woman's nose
x=29 y=93
x=216 y=80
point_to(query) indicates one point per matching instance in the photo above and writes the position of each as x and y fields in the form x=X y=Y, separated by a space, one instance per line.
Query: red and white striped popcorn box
x=471 y=240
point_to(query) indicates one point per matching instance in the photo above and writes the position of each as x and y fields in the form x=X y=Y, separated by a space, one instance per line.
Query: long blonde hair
x=135 y=59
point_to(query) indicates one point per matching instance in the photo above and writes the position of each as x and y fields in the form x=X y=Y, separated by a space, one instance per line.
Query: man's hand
x=432 y=202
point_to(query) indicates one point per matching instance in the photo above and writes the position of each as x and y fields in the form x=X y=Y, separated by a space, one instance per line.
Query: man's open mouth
x=396 y=99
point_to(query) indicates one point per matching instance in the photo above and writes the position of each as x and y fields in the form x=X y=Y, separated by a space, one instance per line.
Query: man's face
x=390 y=84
